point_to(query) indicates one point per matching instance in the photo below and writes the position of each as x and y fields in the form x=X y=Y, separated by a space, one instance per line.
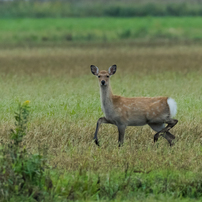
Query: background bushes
x=87 y=8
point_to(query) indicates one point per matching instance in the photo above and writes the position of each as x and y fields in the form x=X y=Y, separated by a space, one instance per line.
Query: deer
x=157 y=112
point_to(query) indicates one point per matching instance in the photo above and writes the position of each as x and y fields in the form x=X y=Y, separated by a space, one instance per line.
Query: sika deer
x=136 y=111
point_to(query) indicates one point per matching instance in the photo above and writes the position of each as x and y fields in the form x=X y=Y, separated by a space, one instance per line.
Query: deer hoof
x=96 y=142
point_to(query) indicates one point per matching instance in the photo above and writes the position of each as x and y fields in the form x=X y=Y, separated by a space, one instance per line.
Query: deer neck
x=106 y=97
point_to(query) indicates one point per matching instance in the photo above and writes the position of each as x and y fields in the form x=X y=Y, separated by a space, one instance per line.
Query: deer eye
x=98 y=76
x=107 y=76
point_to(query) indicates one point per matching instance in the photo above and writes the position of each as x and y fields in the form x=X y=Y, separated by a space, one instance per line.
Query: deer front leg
x=121 y=130
x=99 y=122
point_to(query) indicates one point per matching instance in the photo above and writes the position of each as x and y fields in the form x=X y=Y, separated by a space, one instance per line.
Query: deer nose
x=103 y=82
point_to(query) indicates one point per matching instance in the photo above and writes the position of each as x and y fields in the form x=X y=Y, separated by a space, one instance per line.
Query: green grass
x=99 y=29
x=65 y=106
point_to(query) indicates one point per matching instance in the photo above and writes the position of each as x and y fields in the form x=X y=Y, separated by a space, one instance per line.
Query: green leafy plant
x=22 y=173
x=21 y=118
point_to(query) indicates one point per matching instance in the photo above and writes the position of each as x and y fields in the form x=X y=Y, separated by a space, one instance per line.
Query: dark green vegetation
x=22 y=174
x=65 y=106
x=97 y=8
x=65 y=30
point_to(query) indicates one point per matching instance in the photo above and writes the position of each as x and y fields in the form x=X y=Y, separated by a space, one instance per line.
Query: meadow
x=103 y=29
x=65 y=106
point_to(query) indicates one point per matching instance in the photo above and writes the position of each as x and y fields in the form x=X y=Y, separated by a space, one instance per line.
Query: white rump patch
x=172 y=106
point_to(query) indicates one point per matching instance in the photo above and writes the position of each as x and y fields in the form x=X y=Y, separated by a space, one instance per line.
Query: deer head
x=103 y=75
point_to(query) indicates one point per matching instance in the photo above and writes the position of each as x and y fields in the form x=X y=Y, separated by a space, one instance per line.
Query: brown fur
x=151 y=108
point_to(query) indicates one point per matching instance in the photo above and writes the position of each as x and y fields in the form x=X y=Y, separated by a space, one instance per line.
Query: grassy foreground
x=62 y=30
x=65 y=106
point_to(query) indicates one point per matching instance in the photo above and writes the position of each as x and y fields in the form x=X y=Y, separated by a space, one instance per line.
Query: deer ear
x=94 y=70
x=112 y=70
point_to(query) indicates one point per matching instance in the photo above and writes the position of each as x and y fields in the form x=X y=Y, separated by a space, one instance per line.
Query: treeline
x=87 y=8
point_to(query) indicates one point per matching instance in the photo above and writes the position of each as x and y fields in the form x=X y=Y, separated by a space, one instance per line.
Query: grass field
x=99 y=29
x=65 y=107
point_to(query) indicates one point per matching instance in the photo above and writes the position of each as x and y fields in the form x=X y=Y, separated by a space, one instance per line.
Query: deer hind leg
x=121 y=130
x=165 y=131
x=169 y=137
x=99 y=122
x=157 y=127
x=166 y=134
